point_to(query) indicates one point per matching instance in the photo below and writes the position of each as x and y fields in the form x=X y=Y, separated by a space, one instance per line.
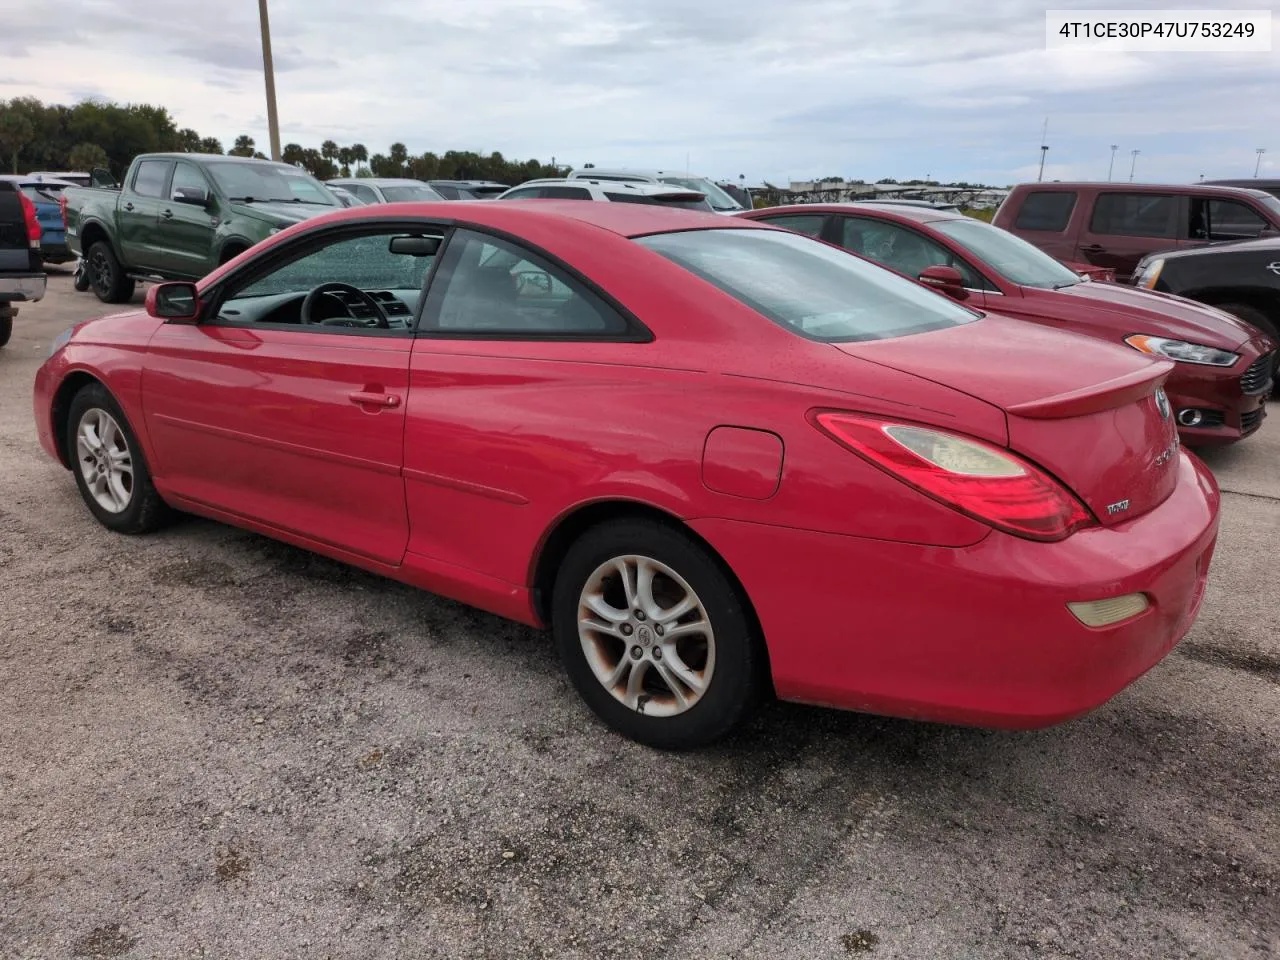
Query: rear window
x=1135 y=215
x=810 y=224
x=807 y=286
x=564 y=193
x=410 y=193
x=1048 y=210
x=677 y=201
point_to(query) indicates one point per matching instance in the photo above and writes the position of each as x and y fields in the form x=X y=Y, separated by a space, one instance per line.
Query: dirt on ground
x=217 y=746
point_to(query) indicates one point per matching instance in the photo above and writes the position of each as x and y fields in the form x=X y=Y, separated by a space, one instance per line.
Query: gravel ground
x=219 y=746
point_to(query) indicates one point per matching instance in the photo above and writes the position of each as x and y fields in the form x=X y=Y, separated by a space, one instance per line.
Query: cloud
x=809 y=88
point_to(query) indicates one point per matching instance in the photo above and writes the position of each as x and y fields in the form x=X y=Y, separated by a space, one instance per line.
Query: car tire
x=673 y=692
x=80 y=279
x=109 y=466
x=6 y=325
x=106 y=276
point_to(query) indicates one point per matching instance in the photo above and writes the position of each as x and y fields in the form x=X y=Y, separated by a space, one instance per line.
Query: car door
x=186 y=228
x=298 y=426
x=905 y=249
x=1125 y=226
x=507 y=344
x=138 y=215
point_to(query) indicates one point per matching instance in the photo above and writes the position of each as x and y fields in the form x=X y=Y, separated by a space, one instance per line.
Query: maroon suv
x=1117 y=224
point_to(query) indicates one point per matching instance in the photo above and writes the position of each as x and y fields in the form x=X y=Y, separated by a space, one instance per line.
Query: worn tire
x=107 y=277
x=145 y=511
x=6 y=325
x=738 y=677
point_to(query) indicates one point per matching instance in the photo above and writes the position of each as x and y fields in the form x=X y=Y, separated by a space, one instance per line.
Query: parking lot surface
x=218 y=746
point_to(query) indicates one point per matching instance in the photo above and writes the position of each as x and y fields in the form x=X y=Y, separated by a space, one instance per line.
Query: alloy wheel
x=646 y=636
x=104 y=460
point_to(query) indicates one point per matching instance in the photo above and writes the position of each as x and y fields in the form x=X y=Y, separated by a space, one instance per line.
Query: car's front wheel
x=108 y=464
x=655 y=636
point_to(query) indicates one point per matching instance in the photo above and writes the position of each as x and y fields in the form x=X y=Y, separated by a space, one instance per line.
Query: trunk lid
x=1090 y=413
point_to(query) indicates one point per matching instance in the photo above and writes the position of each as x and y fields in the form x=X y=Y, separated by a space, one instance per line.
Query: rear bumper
x=22 y=287
x=57 y=252
x=976 y=635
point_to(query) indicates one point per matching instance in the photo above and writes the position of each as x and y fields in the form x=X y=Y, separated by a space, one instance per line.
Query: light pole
x=1258 y=166
x=1112 y=165
x=1133 y=163
x=273 y=125
x=1043 y=152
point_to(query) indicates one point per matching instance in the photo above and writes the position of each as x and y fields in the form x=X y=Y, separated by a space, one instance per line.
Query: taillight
x=984 y=481
x=33 y=225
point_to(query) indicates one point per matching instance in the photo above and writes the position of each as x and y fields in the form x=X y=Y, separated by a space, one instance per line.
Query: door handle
x=128 y=206
x=168 y=214
x=369 y=398
x=1092 y=248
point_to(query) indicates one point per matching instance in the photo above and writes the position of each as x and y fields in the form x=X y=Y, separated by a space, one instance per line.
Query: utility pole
x=1258 y=166
x=1112 y=165
x=273 y=124
x=1044 y=148
x=1133 y=163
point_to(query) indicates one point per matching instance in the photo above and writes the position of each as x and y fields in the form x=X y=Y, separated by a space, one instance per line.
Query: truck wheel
x=80 y=280
x=107 y=276
x=6 y=325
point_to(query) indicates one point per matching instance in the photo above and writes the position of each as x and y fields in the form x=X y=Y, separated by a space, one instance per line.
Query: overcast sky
x=777 y=90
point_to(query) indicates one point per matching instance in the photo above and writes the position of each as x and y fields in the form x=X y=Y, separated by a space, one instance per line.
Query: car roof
x=471 y=183
x=378 y=181
x=607 y=172
x=1117 y=186
x=890 y=211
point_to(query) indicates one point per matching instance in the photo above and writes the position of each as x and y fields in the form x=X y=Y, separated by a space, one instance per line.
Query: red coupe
x=1222 y=374
x=718 y=459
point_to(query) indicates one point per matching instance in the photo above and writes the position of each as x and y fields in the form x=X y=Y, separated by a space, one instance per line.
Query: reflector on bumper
x=1104 y=613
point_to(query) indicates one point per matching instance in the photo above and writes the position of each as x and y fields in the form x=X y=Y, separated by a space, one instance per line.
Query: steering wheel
x=333 y=286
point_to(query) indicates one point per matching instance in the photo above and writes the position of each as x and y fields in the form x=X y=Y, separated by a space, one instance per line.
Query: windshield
x=1012 y=257
x=675 y=201
x=807 y=286
x=410 y=193
x=263 y=182
x=718 y=199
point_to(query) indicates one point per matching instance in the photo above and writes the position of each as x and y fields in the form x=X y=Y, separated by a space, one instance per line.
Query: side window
x=810 y=224
x=151 y=177
x=447 y=191
x=365 y=268
x=188 y=177
x=1223 y=220
x=1048 y=210
x=361 y=192
x=487 y=287
x=1135 y=215
x=565 y=193
x=903 y=249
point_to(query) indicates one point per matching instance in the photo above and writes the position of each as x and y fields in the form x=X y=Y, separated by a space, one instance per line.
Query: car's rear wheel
x=655 y=636
x=108 y=464
x=6 y=325
x=106 y=276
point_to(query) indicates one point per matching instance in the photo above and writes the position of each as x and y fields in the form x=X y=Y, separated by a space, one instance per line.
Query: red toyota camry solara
x=717 y=458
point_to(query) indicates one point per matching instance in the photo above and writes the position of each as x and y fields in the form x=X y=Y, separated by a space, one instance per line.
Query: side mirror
x=946 y=280
x=177 y=302
x=192 y=195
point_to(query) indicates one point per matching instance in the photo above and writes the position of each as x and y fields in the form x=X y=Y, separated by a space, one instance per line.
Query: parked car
x=904 y=202
x=22 y=278
x=717 y=458
x=75 y=178
x=1270 y=186
x=721 y=202
x=1222 y=372
x=386 y=189
x=180 y=215
x=608 y=190
x=739 y=193
x=468 y=189
x=1117 y=224
x=46 y=195
x=345 y=197
x=1242 y=279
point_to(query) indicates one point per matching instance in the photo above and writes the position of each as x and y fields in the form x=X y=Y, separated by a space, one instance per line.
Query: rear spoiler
x=1101 y=396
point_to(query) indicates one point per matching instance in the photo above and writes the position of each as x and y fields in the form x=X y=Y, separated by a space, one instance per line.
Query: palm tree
x=360 y=154
x=345 y=159
x=293 y=154
x=329 y=150
x=399 y=154
x=244 y=146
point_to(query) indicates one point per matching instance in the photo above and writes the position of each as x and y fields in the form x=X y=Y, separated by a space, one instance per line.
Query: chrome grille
x=1256 y=378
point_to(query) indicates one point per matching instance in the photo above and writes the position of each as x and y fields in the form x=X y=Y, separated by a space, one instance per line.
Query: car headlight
x=60 y=340
x=1148 y=273
x=1182 y=351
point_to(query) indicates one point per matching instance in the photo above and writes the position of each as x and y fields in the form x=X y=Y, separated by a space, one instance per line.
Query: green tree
x=345 y=159
x=399 y=154
x=188 y=141
x=329 y=150
x=16 y=132
x=293 y=154
x=243 y=148
x=87 y=156
x=360 y=154
x=210 y=145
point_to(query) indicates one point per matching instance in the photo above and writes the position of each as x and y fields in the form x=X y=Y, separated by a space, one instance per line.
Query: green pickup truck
x=179 y=215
